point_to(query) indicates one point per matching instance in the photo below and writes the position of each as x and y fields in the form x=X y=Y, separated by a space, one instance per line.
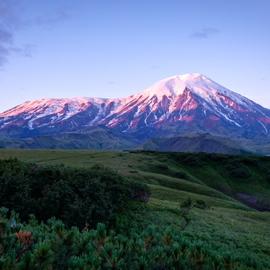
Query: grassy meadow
x=226 y=194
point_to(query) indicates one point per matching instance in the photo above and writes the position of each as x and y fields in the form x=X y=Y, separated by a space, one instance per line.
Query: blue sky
x=113 y=48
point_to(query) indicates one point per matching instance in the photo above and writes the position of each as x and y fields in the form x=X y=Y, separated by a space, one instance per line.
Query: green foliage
x=201 y=204
x=186 y=203
x=189 y=159
x=185 y=208
x=139 y=191
x=268 y=176
x=161 y=167
x=181 y=174
x=227 y=235
x=238 y=170
x=53 y=246
x=76 y=196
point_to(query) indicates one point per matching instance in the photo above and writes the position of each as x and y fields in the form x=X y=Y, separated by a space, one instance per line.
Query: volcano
x=171 y=107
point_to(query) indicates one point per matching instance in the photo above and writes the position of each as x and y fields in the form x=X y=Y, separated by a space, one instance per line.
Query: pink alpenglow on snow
x=181 y=101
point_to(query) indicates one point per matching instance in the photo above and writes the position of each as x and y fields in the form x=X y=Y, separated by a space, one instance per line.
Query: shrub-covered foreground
x=109 y=233
x=53 y=246
x=76 y=196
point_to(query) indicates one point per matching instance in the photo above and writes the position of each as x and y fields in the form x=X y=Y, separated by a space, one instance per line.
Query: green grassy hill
x=229 y=178
x=208 y=143
x=226 y=193
x=196 y=143
x=92 y=138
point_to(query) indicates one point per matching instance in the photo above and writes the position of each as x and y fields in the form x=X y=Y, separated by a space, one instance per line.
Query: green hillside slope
x=226 y=193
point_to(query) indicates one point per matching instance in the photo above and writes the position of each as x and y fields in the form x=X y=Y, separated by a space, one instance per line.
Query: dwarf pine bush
x=52 y=245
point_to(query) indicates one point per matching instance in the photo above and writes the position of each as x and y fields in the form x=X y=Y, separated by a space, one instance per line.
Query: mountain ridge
x=190 y=102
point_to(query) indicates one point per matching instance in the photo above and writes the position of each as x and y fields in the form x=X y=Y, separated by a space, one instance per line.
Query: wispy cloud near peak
x=205 y=33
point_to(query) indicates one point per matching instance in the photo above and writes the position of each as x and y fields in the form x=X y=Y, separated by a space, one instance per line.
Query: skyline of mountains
x=172 y=106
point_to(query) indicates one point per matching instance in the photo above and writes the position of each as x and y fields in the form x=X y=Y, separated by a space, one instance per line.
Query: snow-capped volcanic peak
x=172 y=86
x=197 y=83
x=179 y=102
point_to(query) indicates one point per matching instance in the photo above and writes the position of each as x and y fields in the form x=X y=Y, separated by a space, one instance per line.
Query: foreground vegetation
x=193 y=219
x=53 y=246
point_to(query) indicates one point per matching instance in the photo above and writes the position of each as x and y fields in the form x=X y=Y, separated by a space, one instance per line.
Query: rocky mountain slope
x=178 y=104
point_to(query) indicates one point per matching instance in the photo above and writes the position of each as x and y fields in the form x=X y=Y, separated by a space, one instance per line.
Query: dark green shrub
x=268 y=176
x=200 y=204
x=139 y=192
x=218 y=157
x=192 y=160
x=240 y=172
x=236 y=169
x=187 y=203
x=251 y=161
x=181 y=175
x=162 y=167
x=53 y=246
x=185 y=208
x=77 y=196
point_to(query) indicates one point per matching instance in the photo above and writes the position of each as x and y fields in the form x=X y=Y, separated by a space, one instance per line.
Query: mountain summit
x=181 y=103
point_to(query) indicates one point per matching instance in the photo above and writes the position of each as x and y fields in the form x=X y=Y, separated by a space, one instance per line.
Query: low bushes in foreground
x=53 y=246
